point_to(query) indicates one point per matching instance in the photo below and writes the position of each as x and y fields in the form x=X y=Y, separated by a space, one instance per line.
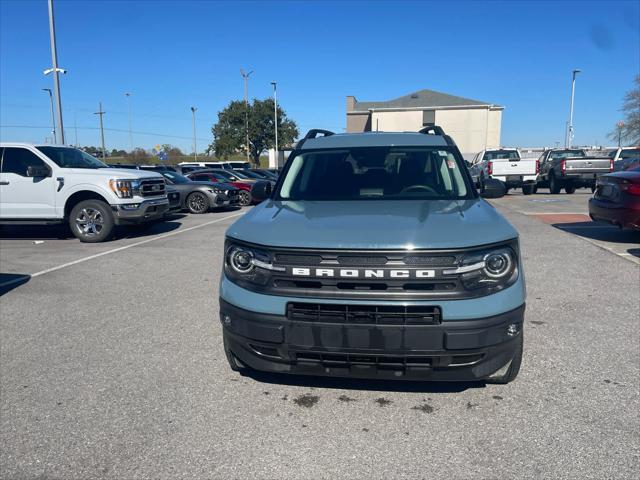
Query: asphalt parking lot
x=112 y=366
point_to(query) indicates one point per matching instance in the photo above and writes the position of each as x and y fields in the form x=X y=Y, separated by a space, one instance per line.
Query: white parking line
x=119 y=249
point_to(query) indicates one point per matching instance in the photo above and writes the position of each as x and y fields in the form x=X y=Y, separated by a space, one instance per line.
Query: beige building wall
x=404 y=121
x=494 y=128
x=468 y=127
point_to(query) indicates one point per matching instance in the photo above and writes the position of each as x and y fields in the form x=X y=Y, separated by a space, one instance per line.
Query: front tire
x=197 y=203
x=570 y=189
x=514 y=368
x=91 y=221
x=554 y=185
x=529 y=189
x=245 y=198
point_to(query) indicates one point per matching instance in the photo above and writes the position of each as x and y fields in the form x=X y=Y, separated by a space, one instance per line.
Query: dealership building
x=473 y=124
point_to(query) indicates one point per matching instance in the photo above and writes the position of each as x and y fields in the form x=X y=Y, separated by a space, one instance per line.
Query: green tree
x=229 y=134
x=629 y=133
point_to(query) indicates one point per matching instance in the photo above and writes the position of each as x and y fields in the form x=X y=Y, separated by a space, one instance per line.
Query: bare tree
x=628 y=131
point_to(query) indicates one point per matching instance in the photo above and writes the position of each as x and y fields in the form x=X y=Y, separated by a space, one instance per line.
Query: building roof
x=374 y=139
x=423 y=99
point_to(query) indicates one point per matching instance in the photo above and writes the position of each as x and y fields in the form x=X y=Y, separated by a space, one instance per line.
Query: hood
x=373 y=224
x=120 y=173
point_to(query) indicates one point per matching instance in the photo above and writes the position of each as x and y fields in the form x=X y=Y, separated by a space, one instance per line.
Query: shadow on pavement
x=9 y=281
x=361 y=384
x=600 y=231
x=35 y=232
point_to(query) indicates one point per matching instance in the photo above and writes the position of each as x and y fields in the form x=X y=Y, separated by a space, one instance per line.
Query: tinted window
x=369 y=173
x=568 y=154
x=502 y=155
x=175 y=177
x=17 y=160
x=625 y=154
x=71 y=157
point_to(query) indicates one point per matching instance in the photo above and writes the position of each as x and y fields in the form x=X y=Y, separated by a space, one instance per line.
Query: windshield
x=228 y=175
x=502 y=155
x=375 y=173
x=175 y=177
x=66 y=157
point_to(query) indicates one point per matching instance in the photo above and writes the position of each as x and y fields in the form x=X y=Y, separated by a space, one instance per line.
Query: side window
x=17 y=160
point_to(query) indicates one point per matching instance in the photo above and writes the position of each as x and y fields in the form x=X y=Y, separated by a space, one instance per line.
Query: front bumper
x=138 y=212
x=459 y=350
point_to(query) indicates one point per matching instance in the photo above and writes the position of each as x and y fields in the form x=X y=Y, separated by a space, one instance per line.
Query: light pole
x=53 y=118
x=246 y=105
x=55 y=70
x=569 y=137
x=275 y=113
x=195 y=145
x=128 y=95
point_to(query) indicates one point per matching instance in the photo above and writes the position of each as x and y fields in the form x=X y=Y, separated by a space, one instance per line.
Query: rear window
x=501 y=155
x=634 y=154
x=375 y=173
x=568 y=153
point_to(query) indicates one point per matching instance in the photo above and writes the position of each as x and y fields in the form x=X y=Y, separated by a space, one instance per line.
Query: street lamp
x=246 y=105
x=55 y=70
x=195 y=145
x=53 y=119
x=128 y=95
x=569 y=136
x=275 y=114
x=620 y=126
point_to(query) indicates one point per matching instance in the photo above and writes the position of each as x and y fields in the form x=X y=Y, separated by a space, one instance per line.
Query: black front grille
x=364 y=314
x=331 y=359
x=152 y=187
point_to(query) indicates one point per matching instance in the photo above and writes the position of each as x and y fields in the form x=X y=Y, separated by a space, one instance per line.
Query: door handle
x=4 y=183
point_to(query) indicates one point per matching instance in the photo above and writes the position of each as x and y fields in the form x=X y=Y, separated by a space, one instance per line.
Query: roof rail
x=437 y=130
x=313 y=133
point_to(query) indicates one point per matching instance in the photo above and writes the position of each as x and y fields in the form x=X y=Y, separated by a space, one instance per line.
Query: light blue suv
x=374 y=257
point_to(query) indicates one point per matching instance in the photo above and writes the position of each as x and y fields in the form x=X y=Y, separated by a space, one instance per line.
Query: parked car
x=625 y=158
x=260 y=174
x=239 y=165
x=570 y=169
x=244 y=188
x=374 y=257
x=200 y=197
x=234 y=176
x=187 y=169
x=506 y=165
x=55 y=184
x=270 y=173
x=617 y=199
x=158 y=168
x=123 y=165
x=223 y=165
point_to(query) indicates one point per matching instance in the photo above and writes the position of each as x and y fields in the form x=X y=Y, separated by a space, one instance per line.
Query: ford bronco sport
x=374 y=257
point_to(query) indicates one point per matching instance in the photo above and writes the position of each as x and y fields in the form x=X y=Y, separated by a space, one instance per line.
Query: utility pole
x=53 y=118
x=620 y=126
x=55 y=70
x=275 y=114
x=128 y=95
x=246 y=106
x=101 y=113
x=195 y=145
x=569 y=136
x=75 y=126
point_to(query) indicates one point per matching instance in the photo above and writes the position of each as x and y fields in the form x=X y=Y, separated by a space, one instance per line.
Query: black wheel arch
x=81 y=196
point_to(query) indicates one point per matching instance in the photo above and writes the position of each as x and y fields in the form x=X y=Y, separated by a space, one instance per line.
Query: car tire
x=514 y=368
x=528 y=189
x=245 y=198
x=554 y=185
x=197 y=203
x=570 y=189
x=91 y=221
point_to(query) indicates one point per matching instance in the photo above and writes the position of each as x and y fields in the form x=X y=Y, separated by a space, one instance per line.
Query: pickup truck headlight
x=124 y=188
x=248 y=265
x=492 y=270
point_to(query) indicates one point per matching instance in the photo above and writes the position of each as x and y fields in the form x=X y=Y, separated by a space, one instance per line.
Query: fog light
x=130 y=206
x=513 y=329
x=226 y=319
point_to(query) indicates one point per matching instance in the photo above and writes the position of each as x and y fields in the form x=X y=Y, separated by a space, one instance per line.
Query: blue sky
x=174 y=54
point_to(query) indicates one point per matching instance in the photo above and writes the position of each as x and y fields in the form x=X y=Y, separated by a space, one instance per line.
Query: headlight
x=248 y=266
x=124 y=188
x=491 y=270
x=216 y=190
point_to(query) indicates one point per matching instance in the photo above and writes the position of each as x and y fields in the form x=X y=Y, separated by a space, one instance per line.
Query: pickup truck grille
x=152 y=187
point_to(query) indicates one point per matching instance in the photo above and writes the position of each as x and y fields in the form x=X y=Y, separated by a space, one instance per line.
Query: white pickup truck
x=506 y=165
x=45 y=184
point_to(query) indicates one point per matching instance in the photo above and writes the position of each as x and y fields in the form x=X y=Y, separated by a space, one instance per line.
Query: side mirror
x=493 y=188
x=33 y=171
x=261 y=190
